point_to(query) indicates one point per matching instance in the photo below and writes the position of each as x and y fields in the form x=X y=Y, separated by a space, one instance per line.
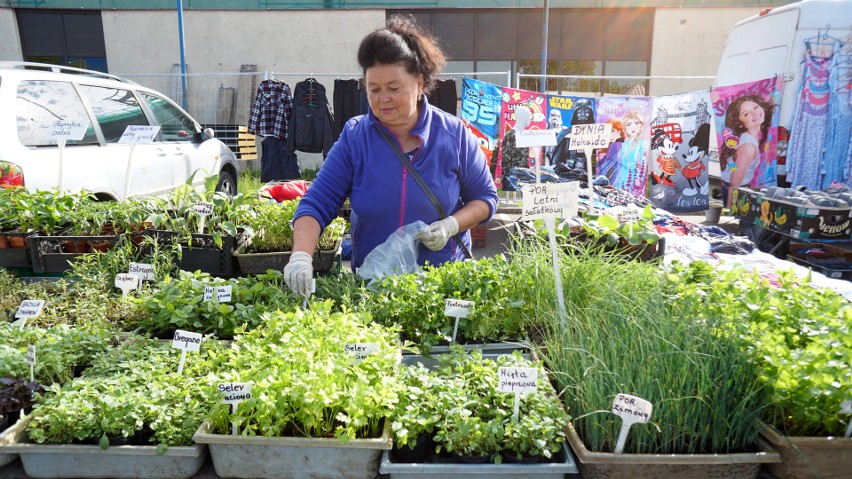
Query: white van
x=773 y=43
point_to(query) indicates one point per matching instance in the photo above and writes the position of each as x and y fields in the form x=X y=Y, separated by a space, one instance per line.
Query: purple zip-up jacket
x=363 y=166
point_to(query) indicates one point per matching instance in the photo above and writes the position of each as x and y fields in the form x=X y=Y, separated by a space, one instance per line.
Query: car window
x=115 y=110
x=174 y=125
x=41 y=104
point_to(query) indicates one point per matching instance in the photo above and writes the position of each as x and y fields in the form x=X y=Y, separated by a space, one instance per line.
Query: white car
x=62 y=128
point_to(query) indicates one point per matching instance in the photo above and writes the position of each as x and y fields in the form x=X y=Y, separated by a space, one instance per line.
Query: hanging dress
x=810 y=118
x=836 y=159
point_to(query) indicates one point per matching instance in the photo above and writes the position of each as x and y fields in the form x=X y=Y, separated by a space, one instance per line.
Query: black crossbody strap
x=411 y=171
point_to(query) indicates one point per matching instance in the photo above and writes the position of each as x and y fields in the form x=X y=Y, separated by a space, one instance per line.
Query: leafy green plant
x=416 y=302
x=178 y=303
x=459 y=405
x=306 y=383
x=130 y=389
x=59 y=349
x=798 y=334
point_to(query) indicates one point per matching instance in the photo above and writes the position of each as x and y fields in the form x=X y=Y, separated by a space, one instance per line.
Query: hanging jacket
x=271 y=110
x=363 y=167
x=312 y=122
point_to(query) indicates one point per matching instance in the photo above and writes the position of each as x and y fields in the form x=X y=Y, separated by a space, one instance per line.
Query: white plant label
x=631 y=410
x=533 y=138
x=589 y=137
x=235 y=393
x=223 y=293
x=517 y=380
x=125 y=282
x=186 y=341
x=31 y=359
x=360 y=351
x=29 y=308
x=68 y=130
x=139 y=134
x=459 y=309
x=145 y=271
x=550 y=200
x=203 y=208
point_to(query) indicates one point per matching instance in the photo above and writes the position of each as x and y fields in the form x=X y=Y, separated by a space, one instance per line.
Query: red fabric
x=288 y=191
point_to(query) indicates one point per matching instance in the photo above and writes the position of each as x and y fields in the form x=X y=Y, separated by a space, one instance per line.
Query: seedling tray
x=47 y=251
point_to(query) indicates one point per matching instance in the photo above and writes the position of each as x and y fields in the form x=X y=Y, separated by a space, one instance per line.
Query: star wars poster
x=522 y=110
x=625 y=162
x=680 y=142
x=746 y=118
x=481 y=107
x=562 y=113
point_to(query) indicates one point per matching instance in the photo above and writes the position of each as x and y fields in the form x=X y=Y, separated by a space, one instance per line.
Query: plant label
x=458 y=308
x=517 y=380
x=125 y=282
x=31 y=359
x=29 y=308
x=360 y=351
x=203 y=208
x=550 y=200
x=223 y=293
x=235 y=393
x=589 y=137
x=186 y=341
x=846 y=408
x=145 y=271
x=533 y=138
x=68 y=130
x=139 y=134
x=632 y=410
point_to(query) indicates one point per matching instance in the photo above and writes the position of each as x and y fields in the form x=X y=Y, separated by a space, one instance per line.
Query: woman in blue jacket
x=400 y=64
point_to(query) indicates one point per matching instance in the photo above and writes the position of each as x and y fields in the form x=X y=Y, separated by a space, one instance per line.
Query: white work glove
x=436 y=235
x=299 y=272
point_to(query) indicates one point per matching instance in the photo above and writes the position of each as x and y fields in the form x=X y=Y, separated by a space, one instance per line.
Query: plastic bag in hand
x=397 y=255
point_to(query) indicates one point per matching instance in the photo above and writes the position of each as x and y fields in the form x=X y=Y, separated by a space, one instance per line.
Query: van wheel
x=227 y=184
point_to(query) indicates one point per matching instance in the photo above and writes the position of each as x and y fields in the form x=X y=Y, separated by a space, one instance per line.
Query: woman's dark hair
x=402 y=40
x=732 y=121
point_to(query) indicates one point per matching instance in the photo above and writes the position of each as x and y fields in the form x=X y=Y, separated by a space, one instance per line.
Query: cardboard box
x=792 y=219
x=841 y=259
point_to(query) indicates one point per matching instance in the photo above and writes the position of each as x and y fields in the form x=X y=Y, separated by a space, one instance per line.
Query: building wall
x=304 y=42
x=690 y=42
x=10 y=40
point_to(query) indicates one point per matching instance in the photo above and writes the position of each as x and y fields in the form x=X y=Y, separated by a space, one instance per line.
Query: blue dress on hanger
x=810 y=119
x=836 y=161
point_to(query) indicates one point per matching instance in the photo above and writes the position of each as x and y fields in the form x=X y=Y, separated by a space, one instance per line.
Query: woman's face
x=751 y=115
x=632 y=128
x=393 y=93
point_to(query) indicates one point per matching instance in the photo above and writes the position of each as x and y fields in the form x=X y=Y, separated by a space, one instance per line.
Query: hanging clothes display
x=269 y=117
x=312 y=122
x=810 y=119
x=445 y=96
x=837 y=160
x=348 y=102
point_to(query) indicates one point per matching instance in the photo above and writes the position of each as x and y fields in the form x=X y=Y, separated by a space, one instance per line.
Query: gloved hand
x=299 y=272
x=438 y=233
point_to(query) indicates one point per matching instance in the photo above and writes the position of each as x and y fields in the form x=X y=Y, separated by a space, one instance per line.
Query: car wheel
x=227 y=183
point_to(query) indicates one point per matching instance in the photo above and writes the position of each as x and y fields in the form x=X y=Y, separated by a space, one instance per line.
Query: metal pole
x=182 y=54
